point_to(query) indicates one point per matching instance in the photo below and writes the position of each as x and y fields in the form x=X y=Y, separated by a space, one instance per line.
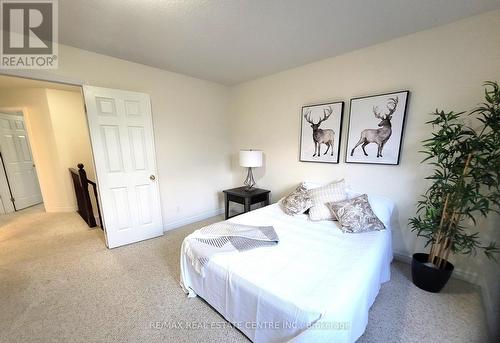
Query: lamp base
x=249 y=181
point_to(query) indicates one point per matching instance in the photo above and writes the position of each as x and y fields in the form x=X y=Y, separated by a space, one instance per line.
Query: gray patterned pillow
x=356 y=215
x=297 y=202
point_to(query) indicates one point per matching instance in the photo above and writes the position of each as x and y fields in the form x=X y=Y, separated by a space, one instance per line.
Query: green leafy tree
x=465 y=181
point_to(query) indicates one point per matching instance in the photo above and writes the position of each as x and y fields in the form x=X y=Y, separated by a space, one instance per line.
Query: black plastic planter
x=427 y=277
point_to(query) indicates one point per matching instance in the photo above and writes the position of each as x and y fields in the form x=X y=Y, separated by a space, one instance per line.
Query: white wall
x=490 y=277
x=72 y=140
x=443 y=68
x=56 y=124
x=190 y=122
x=190 y=118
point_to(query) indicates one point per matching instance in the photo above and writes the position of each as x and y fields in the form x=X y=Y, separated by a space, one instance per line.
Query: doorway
x=110 y=132
x=43 y=136
x=19 y=186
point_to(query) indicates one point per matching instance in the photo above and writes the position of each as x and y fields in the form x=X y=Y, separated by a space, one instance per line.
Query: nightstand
x=246 y=198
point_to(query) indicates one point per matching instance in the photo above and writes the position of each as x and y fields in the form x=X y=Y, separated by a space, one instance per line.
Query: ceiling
x=12 y=83
x=232 y=41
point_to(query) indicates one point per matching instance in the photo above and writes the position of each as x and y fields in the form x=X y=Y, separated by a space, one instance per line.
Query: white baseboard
x=488 y=306
x=192 y=219
x=486 y=292
x=457 y=273
x=492 y=314
x=402 y=257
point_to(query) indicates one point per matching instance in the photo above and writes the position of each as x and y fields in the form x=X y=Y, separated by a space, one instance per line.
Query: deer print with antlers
x=321 y=136
x=382 y=135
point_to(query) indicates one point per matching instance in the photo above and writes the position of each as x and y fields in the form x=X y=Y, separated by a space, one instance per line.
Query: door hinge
x=12 y=199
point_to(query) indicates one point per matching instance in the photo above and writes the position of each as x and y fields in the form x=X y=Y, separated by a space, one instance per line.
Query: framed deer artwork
x=321 y=127
x=376 y=126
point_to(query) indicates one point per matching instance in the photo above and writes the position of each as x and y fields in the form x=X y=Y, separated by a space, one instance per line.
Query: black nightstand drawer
x=247 y=198
x=259 y=198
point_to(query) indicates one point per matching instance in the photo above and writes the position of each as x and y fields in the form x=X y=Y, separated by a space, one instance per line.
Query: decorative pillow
x=320 y=196
x=312 y=184
x=297 y=202
x=356 y=215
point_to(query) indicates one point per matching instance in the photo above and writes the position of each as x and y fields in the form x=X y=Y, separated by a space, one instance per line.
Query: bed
x=316 y=285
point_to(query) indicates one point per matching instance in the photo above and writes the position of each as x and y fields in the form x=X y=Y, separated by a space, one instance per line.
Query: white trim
x=488 y=304
x=457 y=273
x=42 y=75
x=192 y=219
x=486 y=292
x=97 y=221
x=402 y=257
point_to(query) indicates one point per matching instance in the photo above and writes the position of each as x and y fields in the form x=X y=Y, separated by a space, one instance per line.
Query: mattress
x=316 y=285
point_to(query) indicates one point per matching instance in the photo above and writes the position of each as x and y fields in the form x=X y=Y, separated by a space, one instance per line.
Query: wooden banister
x=81 y=184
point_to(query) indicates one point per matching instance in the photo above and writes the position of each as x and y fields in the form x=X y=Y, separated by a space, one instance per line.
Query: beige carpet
x=58 y=283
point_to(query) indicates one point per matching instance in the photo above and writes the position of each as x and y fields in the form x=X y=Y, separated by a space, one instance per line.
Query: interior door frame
x=45 y=76
x=41 y=75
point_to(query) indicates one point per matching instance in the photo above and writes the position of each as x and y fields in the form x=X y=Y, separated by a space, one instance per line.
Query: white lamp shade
x=250 y=158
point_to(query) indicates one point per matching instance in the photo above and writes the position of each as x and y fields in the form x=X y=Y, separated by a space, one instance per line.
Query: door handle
x=152 y=177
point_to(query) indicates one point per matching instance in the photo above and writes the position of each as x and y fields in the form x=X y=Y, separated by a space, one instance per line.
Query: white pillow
x=332 y=192
x=311 y=185
x=383 y=208
x=351 y=192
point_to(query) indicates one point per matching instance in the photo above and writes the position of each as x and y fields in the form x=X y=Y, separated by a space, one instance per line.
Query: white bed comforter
x=316 y=285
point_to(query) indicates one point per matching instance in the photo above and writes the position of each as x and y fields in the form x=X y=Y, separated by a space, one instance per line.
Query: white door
x=121 y=131
x=18 y=162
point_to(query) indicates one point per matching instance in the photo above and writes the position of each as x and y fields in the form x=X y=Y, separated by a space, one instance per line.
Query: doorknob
x=152 y=177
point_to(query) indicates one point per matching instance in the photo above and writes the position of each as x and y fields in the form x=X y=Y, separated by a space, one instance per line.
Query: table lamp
x=250 y=159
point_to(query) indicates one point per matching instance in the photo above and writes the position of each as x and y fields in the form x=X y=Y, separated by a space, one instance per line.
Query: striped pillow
x=332 y=192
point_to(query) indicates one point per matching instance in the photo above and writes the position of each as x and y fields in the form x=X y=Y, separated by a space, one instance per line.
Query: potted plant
x=465 y=185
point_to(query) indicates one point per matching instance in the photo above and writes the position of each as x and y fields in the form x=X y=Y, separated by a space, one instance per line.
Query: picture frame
x=321 y=132
x=376 y=127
